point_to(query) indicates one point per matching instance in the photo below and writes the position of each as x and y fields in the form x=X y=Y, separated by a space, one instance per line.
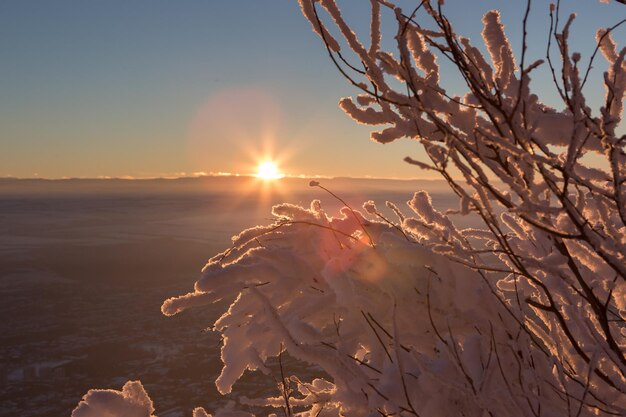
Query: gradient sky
x=157 y=88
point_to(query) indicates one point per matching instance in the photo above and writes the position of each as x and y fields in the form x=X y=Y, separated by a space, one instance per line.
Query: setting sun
x=268 y=171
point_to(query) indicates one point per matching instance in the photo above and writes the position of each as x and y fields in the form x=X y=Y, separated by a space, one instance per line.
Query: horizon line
x=210 y=175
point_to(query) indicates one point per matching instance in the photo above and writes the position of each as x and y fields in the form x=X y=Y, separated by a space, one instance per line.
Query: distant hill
x=206 y=185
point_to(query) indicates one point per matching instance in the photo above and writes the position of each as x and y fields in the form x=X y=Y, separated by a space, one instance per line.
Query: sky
x=150 y=88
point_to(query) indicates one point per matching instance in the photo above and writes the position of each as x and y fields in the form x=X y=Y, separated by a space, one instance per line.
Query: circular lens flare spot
x=268 y=171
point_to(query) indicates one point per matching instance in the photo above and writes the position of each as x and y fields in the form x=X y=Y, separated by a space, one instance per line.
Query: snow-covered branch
x=524 y=316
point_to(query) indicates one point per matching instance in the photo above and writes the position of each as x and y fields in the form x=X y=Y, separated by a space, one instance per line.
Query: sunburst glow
x=268 y=170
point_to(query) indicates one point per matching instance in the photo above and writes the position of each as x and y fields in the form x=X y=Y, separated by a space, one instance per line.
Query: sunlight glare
x=268 y=170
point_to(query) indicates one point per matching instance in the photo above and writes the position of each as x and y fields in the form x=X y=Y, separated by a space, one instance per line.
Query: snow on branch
x=522 y=316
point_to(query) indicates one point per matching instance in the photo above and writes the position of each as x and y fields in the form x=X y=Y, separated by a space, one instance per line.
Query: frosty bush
x=413 y=315
x=131 y=401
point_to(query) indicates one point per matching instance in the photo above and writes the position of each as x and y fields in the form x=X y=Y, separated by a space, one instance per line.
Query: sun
x=268 y=170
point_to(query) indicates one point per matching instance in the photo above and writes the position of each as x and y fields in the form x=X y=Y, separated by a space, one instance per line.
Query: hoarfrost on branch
x=414 y=315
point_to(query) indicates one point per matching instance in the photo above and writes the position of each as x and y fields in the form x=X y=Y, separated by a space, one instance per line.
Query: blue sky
x=156 y=87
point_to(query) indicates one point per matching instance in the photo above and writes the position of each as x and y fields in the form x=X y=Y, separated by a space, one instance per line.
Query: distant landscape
x=86 y=263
